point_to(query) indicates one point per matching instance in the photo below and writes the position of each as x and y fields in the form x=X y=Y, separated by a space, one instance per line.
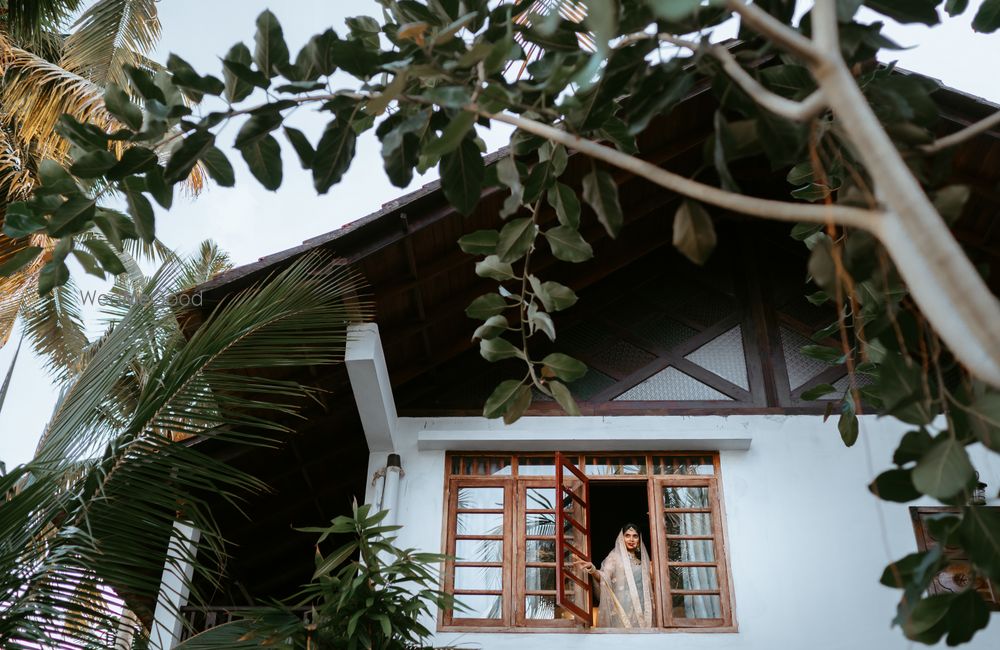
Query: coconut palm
x=51 y=65
x=86 y=522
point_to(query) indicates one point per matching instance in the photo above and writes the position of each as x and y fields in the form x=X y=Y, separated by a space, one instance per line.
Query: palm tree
x=47 y=72
x=85 y=523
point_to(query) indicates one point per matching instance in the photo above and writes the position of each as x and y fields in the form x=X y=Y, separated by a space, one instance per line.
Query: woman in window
x=625 y=579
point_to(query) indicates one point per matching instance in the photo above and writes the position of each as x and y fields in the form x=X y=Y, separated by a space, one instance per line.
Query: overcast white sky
x=250 y=222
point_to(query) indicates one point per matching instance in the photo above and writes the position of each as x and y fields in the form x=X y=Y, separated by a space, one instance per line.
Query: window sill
x=465 y=629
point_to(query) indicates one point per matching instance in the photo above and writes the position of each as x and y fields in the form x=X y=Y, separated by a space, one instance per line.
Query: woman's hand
x=586 y=566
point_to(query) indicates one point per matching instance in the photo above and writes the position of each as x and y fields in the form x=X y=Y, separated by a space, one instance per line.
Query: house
x=759 y=528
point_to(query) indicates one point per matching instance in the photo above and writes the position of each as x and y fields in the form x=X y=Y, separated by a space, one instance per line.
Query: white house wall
x=806 y=541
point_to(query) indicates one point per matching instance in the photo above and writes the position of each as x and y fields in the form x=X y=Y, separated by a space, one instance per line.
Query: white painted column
x=369 y=377
x=177 y=573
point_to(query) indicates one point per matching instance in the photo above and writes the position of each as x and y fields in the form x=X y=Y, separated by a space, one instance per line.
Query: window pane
x=481 y=465
x=540 y=499
x=479 y=523
x=478 y=606
x=615 y=465
x=480 y=498
x=697 y=606
x=540 y=608
x=536 y=466
x=693 y=577
x=685 y=497
x=691 y=550
x=479 y=550
x=700 y=465
x=540 y=579
x=478 y=578
x=537 y=550
x=688 y=523
x=537 y=523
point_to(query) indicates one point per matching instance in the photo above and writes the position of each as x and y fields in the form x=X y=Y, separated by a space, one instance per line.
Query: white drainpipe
x=387 y=488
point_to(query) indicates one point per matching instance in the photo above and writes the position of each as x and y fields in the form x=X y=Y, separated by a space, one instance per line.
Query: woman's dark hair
x=629 y=524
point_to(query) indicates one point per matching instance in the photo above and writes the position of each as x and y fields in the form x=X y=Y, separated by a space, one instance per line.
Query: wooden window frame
x=515 y=513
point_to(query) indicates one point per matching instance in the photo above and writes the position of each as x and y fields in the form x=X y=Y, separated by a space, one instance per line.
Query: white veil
x=626 y=593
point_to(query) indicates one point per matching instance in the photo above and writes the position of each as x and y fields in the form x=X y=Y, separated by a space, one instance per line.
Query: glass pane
x=479 y=523
x=693 y=577
x=538 y=523
x=724 y=356
x=671 y=385
x=609 y=353
x=479 y=550
x=478 y=578
x=688 y=523
x=615 y=465
x=685 y=497
x=536 y=466
x=540 y=499
x=480 y=498
x=697 y=606
x=540 y=579
x=691 y=550
x=697 y=465
x=478 y=606
x=573 y=591
x=799 y=367
x=540 y=608
x=573 y=537
x=538 y=550
x=481 y=465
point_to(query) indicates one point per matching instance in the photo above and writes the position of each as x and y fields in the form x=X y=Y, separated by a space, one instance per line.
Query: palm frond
x=109 y=35
x=29 y=20
x=209 y=261
x=90 y=516
x=54 y=324
x=14 y=288
x=10 y=373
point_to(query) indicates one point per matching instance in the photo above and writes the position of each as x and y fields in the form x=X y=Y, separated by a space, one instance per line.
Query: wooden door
x=573 y=588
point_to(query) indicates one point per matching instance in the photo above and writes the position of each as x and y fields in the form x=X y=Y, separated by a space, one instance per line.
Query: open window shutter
x=573 y=588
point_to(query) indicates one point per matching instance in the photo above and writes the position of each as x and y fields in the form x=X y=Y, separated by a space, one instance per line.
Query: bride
x=625 y=580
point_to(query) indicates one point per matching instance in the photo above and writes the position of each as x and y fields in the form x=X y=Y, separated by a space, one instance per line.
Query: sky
x=250 y=222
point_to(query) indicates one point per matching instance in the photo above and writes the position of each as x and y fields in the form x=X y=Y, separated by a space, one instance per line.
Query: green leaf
x=956 y=7
x=257 y=127
x=20 y=220
x=86 y=136
x=493 y=268
x=480 y=242
x=184 y=158
x=567 y=244
x=925 y=616
x=539 y=179
x=950 y=201
x=270 y=52
x=263 y=157
x=908 y=11
x=494 y=326
x=986 y=413
x=54 y=274
x=135 y=160
x=497 y=349
x=452 y=135
x=238 y=77
x=848 y=422
x=912 y=447
x=988 y=17
x=140 y=209
x=944 y=470
x=107 y=257
x=967 y=615
x=979 y=533
x=823 y=353
x=564 y=367
x=19 y=260
x=517 y=405
x=334 y=154
x=501 y=398
x=301 y=145
x=601 y=193
x=694 y=232
x=72 y=216
x=673 y=9
x=540 y=321
x=218 y=167
x=144 y=85
x=554 y=296
x=509 y=175
x=315 y=59
x=158 y=188
x=89 y=264
x=895 y=485
x=564 y=201
x=118 y=104
x=564 y=397
x=462 y=174
x=817 y=392
x=196 y=85
x=335 y=559
x=485 y=306
x=516 y=239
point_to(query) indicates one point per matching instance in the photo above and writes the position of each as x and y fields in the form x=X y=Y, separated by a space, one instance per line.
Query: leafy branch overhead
x=869 y=188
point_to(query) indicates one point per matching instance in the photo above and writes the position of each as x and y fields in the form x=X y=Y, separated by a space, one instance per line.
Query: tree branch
x=960 y=136
x=765 y=208
x=802 y=111
x=782 y=35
